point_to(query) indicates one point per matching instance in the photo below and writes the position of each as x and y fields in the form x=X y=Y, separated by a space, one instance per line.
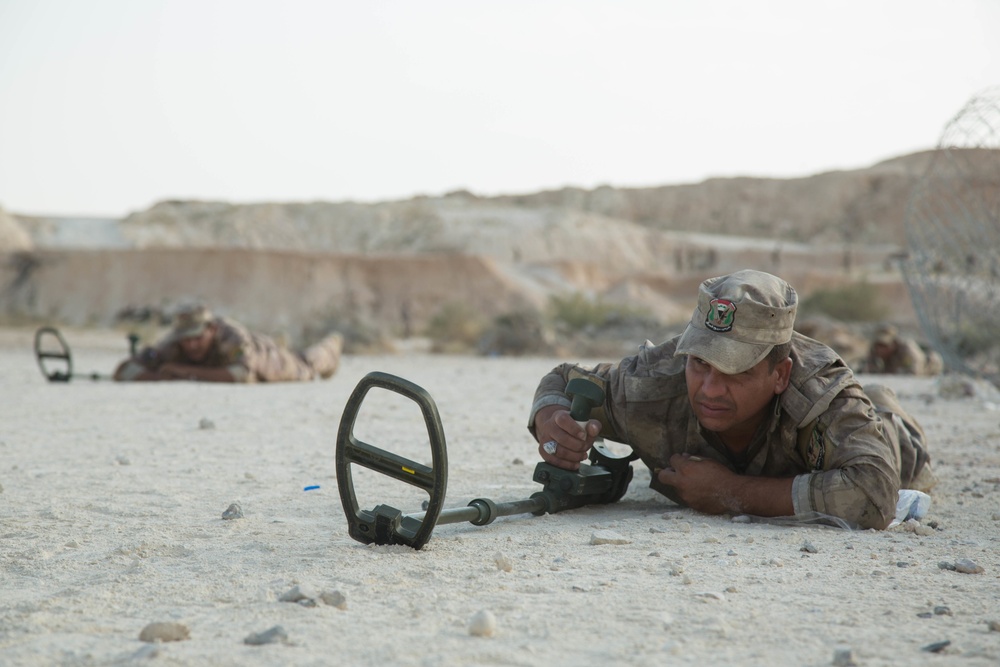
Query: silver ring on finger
x=550 y=447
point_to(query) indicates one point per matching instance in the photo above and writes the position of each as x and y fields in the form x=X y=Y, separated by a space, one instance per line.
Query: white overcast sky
x=108 y=106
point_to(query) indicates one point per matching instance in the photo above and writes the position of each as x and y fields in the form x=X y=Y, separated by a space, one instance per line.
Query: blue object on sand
x=311 y=488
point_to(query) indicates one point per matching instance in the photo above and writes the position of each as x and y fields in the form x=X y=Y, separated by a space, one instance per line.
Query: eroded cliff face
x=864 y=206
x=291 y=267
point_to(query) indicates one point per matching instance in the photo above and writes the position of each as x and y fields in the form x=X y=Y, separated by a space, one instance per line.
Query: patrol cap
x=886 y=334
x=191 y=320
x=739 y=318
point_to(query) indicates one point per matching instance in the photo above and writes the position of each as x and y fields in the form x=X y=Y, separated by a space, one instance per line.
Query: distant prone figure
x=203 y=347
x=892 y=353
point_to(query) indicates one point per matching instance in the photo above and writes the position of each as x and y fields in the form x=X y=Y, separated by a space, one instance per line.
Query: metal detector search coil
x=604 y=480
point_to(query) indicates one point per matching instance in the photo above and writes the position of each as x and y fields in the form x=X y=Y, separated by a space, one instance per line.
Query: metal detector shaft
x=482 y=511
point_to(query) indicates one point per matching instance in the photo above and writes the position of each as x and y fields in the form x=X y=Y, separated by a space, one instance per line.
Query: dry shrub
x=858 y=302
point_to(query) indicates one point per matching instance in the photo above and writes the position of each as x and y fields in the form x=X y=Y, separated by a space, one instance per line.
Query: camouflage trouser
x=323 y=358
x=907 y=438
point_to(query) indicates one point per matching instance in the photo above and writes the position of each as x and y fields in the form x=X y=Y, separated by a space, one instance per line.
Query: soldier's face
x=733 y=405
x=882 y=350
x=196 y=347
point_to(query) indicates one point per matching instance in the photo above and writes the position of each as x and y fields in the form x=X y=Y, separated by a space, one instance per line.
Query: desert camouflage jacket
x=908 y=359
x=823 y=430
x=248 y=356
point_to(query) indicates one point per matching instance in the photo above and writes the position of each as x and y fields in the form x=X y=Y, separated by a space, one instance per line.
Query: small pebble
x=711 y=595
x=936 y=647
x=843 y=657
x=966 y=566
x=271 y=636
x=608 y=537
x=994 y=626
x=334 y=599
x=483 y=624
x=206 y=424
x=941 y=610
x=809 y=548
x=296 y=594
x=503 y=562
x=164 y=632
x=234 y=511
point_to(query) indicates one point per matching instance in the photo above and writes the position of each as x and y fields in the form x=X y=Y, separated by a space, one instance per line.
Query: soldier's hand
x=175 y=371
x=148 y=357
x=701 y=483
x=561 y=440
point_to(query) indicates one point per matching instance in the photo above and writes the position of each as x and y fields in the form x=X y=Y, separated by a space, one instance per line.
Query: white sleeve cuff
x=801 y=500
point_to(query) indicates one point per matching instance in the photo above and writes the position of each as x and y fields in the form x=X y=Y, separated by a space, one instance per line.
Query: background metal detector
x=604 y=480
x=56 y=361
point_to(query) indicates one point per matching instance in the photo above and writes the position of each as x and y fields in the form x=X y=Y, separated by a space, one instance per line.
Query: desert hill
x=293 y=268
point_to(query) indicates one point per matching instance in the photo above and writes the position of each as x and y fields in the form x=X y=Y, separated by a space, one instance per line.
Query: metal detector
x=604 y=480
x=52 y=350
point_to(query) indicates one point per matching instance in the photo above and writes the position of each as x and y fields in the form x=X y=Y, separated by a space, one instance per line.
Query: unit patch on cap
x=721 y=313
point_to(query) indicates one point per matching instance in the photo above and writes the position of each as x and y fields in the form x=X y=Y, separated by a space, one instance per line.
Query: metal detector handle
x=604 y=480
x=586 y=396
x=385 y=524
x=62 y=354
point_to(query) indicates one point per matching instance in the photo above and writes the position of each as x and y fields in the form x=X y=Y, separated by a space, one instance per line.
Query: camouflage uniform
x=907 y=359
x=248 y=356
x=849 y=450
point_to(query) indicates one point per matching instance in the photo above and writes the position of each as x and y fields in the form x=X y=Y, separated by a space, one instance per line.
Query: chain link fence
x=952 y=223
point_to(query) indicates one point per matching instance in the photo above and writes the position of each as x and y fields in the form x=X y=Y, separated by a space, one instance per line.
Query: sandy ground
x=111 y=518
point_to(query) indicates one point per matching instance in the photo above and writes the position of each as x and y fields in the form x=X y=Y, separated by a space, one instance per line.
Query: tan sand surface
x=112 y=496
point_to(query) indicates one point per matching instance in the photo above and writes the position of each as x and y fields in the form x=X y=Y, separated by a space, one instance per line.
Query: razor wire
x=952 y=225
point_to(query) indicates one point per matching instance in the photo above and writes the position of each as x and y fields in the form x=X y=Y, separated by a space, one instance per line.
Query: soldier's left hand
x=701 y=483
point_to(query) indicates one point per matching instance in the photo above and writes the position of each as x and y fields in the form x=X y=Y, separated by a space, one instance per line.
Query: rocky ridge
x=290 y=266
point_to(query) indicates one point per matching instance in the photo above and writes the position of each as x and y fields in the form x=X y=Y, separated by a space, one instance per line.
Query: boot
x=324 y=356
